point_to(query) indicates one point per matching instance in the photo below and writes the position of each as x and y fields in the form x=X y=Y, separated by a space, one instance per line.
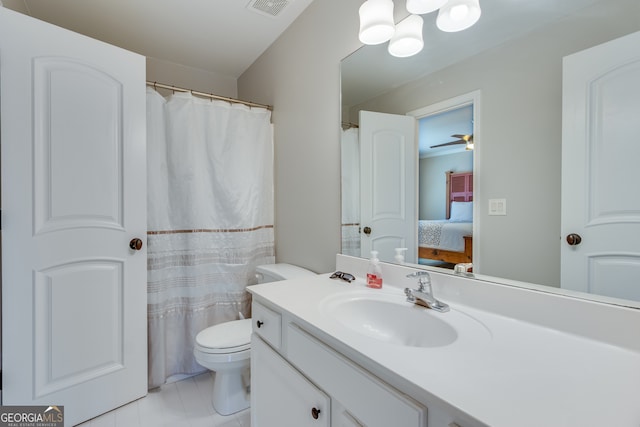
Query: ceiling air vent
x=268 y=7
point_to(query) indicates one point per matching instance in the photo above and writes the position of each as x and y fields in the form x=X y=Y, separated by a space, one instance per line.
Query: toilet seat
x=228 y=337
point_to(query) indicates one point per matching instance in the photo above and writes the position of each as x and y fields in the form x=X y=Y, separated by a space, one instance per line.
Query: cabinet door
x=280 y=395
x=340 y=417
x=367 y=399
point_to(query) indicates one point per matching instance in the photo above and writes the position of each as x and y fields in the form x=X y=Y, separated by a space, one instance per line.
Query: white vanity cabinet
x=506 y=366
x=297 y=380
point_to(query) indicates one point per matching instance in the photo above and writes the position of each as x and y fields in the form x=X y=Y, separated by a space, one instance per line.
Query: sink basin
x=392 y=320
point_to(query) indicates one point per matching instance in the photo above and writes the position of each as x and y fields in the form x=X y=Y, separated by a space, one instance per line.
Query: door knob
x=367 y=230
x=135 y=244
x=315 y=413
x=574 y=239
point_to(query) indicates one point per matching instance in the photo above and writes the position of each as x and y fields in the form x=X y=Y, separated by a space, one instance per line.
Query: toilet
x=225 y=348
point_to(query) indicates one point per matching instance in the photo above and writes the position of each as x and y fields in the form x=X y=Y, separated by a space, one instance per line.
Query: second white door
x=600 y=156
x=388 y=185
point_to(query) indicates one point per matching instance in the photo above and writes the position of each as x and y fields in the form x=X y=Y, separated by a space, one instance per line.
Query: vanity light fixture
x=458 y=15
x=377 y=25
x=376 y=21
x=419 y=7
x=407 y=40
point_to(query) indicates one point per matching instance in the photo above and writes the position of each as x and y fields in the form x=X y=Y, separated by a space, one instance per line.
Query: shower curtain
x=350 y=192
x=210 y=220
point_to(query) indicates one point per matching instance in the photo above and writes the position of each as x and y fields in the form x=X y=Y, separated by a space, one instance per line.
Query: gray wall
x=300 y=76
x=170 y=73
x=519 y=159
x=432 y=182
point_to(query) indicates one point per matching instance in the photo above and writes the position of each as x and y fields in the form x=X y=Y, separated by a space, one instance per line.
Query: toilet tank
x=275 y=272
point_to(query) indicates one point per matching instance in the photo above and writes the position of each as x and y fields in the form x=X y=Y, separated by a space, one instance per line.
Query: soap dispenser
x=400 y=255
x=374 y=274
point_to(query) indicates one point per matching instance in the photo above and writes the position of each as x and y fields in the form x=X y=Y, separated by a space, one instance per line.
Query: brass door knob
x=574 y=239
x=367 y=230
x=135 y=244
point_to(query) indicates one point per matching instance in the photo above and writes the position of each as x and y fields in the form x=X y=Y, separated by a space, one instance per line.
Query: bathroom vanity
x=330 y=353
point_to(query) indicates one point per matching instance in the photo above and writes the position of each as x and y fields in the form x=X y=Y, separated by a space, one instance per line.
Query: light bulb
x=459 y=12
x=407 y=39
x=376 y=21
x=420 y=7
x=458 y=15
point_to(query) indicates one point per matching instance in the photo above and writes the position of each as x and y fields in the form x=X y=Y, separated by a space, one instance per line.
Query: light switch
x=497 y=206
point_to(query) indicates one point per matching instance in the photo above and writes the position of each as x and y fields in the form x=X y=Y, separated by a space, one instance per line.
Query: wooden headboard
x=459 y=188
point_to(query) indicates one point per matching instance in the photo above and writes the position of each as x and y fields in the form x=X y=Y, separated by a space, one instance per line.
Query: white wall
x=299 y=75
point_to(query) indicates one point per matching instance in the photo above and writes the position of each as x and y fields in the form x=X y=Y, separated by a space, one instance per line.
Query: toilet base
x=231 y=391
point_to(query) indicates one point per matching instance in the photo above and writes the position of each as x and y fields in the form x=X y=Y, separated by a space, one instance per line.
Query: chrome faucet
x=424 y=294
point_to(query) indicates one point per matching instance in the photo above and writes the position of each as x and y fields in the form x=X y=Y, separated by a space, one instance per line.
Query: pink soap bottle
x=374 y=274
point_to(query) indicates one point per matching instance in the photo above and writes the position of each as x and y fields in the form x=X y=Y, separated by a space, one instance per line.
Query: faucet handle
x=423 y=279
x=409 y=293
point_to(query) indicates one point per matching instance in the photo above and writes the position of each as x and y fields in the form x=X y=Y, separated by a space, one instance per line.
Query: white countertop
x=500 y=371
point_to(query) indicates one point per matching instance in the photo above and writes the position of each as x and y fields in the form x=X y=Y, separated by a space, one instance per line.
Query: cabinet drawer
x=267 y=324
x=368 y=399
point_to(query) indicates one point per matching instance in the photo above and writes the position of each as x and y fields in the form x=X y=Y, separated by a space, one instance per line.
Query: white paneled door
x=388 y=183
x=600 y=157
x=73 y=200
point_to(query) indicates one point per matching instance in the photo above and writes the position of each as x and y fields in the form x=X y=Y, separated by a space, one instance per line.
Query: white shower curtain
x=350 y=192
x=210 y=220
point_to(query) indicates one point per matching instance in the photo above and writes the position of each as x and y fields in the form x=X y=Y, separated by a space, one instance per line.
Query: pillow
x=461 y=212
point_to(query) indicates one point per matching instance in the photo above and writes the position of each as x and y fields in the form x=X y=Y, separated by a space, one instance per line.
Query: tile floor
x=186 y=403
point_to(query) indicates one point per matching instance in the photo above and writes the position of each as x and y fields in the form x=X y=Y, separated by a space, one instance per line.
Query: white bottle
x=374 y=274
x=400 y=255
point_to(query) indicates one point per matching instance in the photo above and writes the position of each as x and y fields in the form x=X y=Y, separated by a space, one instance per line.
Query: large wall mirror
x=512 y=61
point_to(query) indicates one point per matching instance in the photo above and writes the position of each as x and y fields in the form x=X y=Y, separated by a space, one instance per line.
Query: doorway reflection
x=445 y=187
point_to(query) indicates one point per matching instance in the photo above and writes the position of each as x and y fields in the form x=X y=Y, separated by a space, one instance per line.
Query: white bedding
x=443 y=234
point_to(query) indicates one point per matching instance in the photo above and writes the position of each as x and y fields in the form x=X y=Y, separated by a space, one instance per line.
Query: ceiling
x=227 y=36
x=220 y=36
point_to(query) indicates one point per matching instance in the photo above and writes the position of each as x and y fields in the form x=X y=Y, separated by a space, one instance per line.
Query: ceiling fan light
x=407 y=39
x=458 y=15
x=376 y=21
x=420 y=7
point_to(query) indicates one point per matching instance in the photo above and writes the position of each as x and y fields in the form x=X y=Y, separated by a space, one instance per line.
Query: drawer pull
x=259 y=323
x=315 y=413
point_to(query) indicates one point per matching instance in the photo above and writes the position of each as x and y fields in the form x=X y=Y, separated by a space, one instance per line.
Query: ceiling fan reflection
x=462 y=139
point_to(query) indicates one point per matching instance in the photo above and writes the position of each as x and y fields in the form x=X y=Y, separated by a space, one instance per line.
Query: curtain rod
x=157 y=85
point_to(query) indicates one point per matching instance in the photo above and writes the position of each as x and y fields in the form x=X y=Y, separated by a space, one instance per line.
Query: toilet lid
x=231 y=336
